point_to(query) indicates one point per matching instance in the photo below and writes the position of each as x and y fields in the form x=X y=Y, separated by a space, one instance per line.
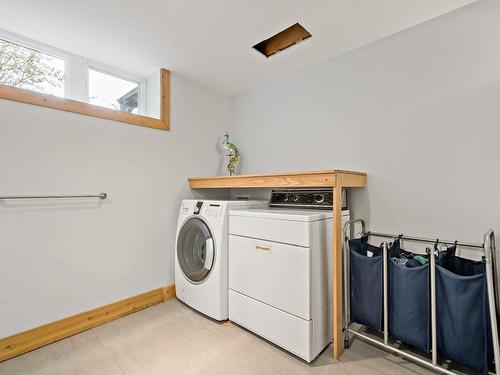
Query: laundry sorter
x=441 y=303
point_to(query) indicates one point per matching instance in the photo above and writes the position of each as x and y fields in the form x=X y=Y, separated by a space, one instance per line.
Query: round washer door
x=195 y=250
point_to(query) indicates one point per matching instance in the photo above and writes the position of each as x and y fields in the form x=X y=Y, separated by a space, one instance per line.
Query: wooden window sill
x=35 y=98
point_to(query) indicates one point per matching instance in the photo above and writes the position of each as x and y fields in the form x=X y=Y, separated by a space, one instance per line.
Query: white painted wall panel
x=60 y=258
x=417 y=110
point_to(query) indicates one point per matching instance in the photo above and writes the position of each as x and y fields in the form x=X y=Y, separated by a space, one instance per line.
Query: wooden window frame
x=32 y=97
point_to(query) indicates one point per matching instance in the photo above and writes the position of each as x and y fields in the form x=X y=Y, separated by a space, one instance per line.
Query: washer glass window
x=195 y=249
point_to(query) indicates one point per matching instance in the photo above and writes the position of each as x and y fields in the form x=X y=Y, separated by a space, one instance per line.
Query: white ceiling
x=209 y=41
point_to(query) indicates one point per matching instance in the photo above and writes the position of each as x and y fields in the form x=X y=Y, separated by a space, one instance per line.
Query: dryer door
x=195 y=250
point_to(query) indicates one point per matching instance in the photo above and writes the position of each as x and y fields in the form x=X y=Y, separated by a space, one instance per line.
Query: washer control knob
x=319 y=198
x=285 y=198
x=295 y=198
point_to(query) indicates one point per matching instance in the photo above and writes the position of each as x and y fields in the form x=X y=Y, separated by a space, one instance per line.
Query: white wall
x=60 y=258
x=419 y=111
x=153 y=95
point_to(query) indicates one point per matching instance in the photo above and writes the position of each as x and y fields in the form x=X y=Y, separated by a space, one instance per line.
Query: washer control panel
x=213 y=210
x=197 y=208
x=205 y=208
x=305 y=198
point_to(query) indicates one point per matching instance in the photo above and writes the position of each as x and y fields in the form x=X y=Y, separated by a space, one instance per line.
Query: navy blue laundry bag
x=409 y=300
x=463 y=326
x=365 y=264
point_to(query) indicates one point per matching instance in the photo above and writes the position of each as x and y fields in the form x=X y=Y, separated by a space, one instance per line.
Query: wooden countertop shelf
x=336 y=179
x=325 y=178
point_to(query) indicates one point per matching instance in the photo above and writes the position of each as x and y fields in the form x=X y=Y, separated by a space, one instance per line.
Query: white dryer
x=280 y=266
x=201 y=255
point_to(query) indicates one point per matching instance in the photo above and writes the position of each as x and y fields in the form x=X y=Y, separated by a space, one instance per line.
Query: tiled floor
x=170 y=338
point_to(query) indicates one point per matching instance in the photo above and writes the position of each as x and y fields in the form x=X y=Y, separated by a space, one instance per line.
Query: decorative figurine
x=232 y=153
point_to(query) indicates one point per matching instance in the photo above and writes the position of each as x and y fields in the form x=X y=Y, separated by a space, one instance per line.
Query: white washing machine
x=201 y=255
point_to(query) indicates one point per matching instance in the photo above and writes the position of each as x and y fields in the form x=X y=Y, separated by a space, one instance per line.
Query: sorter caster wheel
x=346 y=343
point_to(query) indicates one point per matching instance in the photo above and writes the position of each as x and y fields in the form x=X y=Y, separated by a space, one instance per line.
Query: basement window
x=283 y=40
x=34 y=73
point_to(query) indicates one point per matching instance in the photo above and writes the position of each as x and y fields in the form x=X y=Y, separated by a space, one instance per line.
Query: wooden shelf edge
x=325 y=178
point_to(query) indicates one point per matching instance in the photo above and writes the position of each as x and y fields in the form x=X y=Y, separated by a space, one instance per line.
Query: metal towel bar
x=15 y=197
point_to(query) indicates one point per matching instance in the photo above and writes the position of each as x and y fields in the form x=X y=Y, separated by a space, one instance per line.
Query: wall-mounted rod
x=15 y=197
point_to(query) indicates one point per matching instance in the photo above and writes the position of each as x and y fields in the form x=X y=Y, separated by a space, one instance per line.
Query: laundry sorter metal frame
x=489 y=258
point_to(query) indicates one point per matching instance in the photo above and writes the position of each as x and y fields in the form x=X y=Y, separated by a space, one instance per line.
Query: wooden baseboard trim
x=35 y=338
x=168 y=292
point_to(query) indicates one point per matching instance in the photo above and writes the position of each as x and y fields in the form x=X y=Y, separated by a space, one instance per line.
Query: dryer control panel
x=305 y=198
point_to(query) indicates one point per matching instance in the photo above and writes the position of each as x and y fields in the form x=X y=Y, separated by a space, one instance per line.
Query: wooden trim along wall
x=37 y=337
x=69 y=105
x=165 y=99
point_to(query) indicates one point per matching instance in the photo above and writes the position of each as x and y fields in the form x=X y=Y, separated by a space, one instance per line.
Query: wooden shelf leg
x=337 y=271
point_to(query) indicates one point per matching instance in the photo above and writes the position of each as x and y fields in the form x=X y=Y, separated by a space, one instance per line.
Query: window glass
x=110 y=91
x=30 y=69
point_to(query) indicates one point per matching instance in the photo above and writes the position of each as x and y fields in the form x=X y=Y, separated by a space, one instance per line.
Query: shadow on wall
x=220 y=151
x=49 y=205
x=358 y=201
